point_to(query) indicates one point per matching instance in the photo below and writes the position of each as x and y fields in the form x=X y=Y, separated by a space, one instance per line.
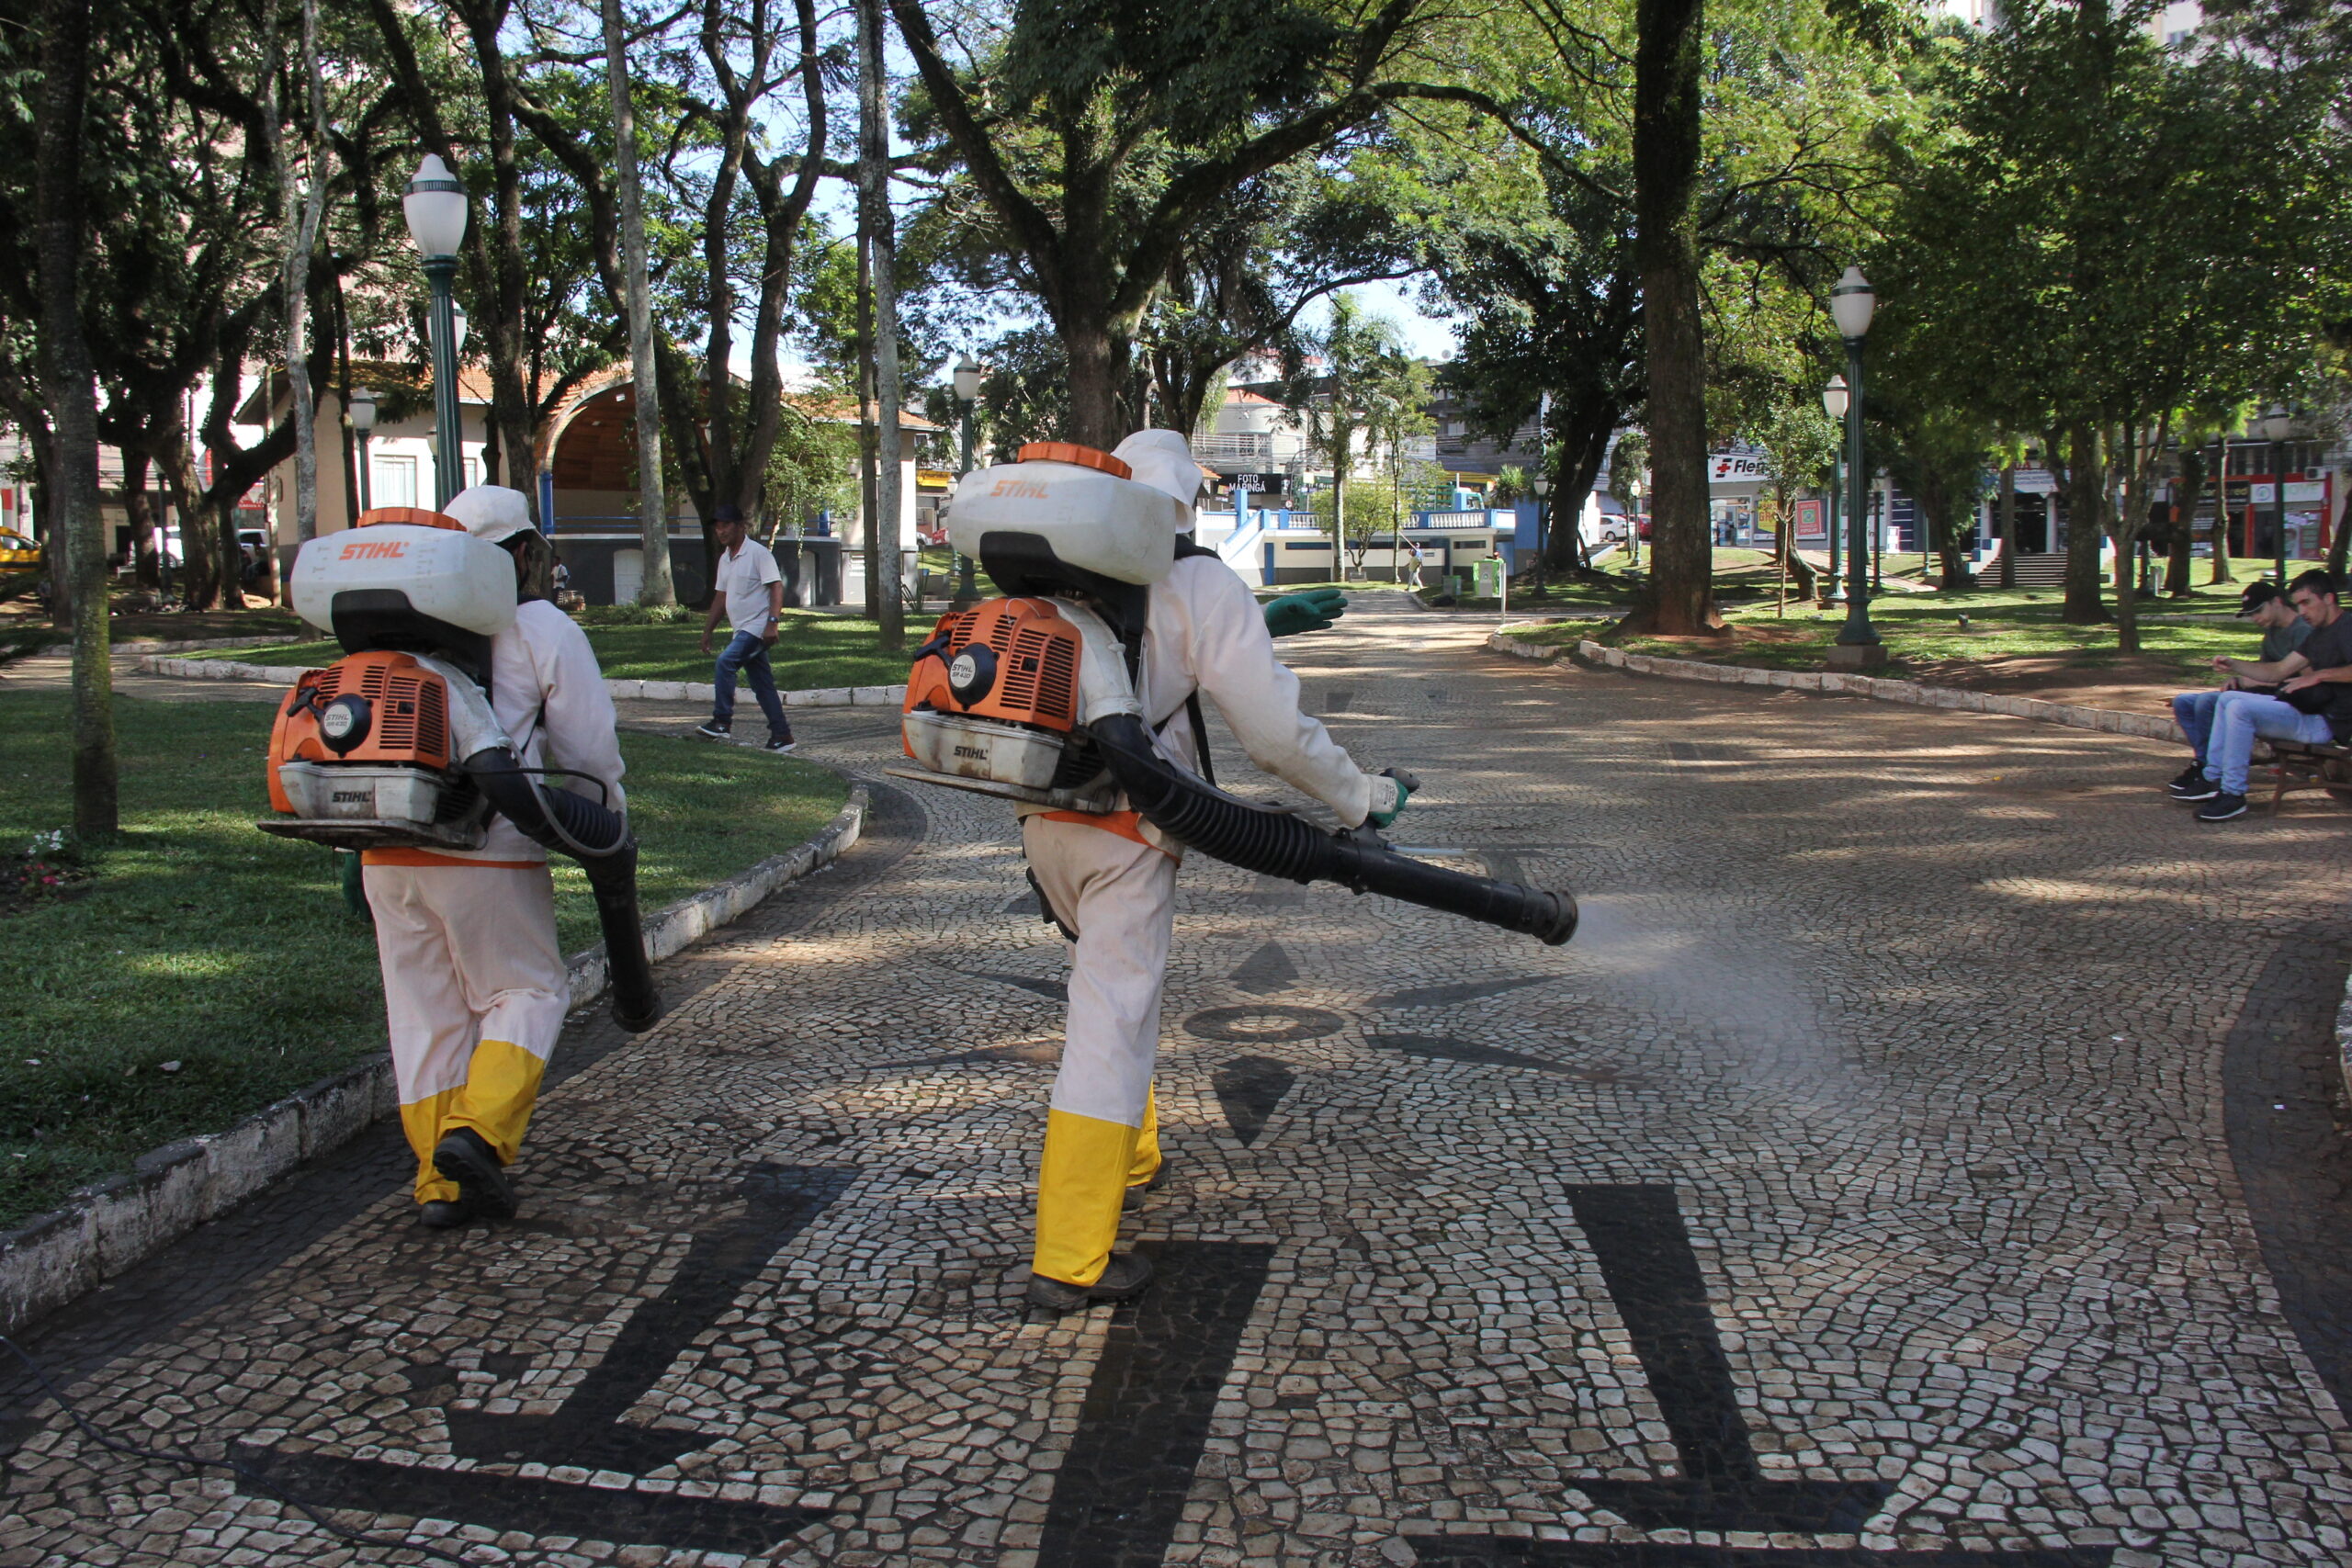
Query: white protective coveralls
x=1111 y=879
x=474 y=984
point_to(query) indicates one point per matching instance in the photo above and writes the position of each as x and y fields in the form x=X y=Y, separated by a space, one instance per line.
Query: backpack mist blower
x=395 y=745
x=1033 y=697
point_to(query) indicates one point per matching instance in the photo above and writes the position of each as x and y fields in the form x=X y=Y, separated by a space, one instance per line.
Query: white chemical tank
x=1080 y=503
x=447 y=574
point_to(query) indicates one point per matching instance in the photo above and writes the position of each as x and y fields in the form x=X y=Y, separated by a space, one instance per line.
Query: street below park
x=1930 y=1151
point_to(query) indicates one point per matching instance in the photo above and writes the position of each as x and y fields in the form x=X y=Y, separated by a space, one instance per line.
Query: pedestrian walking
x=749 y=594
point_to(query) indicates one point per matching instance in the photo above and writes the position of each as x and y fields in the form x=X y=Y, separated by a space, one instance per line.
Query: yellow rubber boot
x=500 y=1091
x=1145 y=1165
x=422 y=1121
x=1079 y=1183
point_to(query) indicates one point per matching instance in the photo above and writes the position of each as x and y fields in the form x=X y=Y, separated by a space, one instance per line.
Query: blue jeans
x=748 y=653
x=2239 y=718
x=2193 y=711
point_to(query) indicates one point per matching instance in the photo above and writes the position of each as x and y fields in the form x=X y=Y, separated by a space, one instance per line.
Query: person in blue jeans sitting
x=2312 y=705
x=2265 y=604
x=749 y=591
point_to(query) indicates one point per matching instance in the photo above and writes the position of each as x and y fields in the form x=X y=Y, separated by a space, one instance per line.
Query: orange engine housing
x=1033 y=654
x=409 y=713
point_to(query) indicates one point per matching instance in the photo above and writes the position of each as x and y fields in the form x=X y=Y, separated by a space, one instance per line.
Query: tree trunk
x=2221 y=572
x=2008 y=525
x=1957 y=577
x=2085 y=514
x=138 y=507
x=1666 y=148
x=1583 y=437
x=2188 y=491
x=652 y=507
x=305 y=209
x=507 y=425
x=868 y=433
x=881 y=227
x=2127 y=553
x=1096 y=371
x=71 y=381
x=347 y=446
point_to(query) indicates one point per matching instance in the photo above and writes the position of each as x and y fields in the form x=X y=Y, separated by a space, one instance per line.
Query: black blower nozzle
x=1278 y=844
x=598 y=838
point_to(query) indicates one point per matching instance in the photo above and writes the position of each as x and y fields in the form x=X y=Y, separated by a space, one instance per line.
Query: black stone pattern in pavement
x=1925 y=1154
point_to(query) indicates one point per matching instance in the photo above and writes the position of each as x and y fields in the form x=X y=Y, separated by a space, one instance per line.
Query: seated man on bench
x=2312 y=705
x=2283 y=631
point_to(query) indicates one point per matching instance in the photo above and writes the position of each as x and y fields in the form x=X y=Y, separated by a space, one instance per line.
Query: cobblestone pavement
x=1923 y=1156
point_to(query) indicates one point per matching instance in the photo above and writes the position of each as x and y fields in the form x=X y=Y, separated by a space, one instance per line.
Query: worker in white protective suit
x=1110 y=881
x=474 y=984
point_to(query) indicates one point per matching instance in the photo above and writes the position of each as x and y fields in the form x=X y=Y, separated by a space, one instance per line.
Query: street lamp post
x=1833 y=403
x=436 y=205
x=1633 y=522
x=1851 y=303
x=363 y=423
x=969 y=374
x=2275 y=426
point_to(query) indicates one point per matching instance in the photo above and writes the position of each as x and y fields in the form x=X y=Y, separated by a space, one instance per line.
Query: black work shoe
x=445 y=1214
x=2191 y=777
x=1132 y=1199
x=2222 y=808
x=715 y=729
x=780 y=744
x=466 y=1157
x=1124 y=1278
x=2203 y=789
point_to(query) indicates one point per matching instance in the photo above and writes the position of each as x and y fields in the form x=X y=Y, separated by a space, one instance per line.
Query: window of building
x=392 y=480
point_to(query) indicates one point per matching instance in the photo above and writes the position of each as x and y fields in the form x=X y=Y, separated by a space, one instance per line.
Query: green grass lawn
x=205 y=942
x=812 y=650
x=1923 y=635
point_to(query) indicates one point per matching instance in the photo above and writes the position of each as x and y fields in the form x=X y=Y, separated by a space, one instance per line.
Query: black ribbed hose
x=1279 y=844
x=598 y=838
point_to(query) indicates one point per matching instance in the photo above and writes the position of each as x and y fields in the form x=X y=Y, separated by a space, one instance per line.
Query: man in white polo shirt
x=750 y=593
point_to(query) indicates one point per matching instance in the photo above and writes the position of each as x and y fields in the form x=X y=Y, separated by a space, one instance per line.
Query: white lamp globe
x=968 y=379
x=1851 y=301
x=457 y=327
x=1834 y=398
x=2275 y=423
x=363 y=410
x=435 y=204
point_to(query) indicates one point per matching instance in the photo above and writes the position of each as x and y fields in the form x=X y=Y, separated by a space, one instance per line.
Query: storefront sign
x=1812 y=523
x=1736 y=468
x=2036 y=482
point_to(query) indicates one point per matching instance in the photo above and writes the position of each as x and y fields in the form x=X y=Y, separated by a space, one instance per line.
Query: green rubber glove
x=1389 y=793
x=1313 y=611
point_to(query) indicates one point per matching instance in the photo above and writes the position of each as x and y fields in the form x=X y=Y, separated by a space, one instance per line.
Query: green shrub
x=636 y=614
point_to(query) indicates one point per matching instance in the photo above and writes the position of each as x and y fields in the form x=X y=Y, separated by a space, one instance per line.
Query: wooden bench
x=2299 y=765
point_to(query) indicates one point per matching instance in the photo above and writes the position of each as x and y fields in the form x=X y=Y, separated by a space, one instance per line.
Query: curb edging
x=2107 y=721
x=112 y=1225
x=622 y=691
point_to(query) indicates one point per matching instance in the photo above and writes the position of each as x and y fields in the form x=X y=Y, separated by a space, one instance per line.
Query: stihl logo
x=1028 y=490
x=375 y=550
x=978 y=753
x=355 y=798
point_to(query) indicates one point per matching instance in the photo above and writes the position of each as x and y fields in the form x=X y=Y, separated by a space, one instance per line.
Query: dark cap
x=2257 y=594
x=727 y=512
